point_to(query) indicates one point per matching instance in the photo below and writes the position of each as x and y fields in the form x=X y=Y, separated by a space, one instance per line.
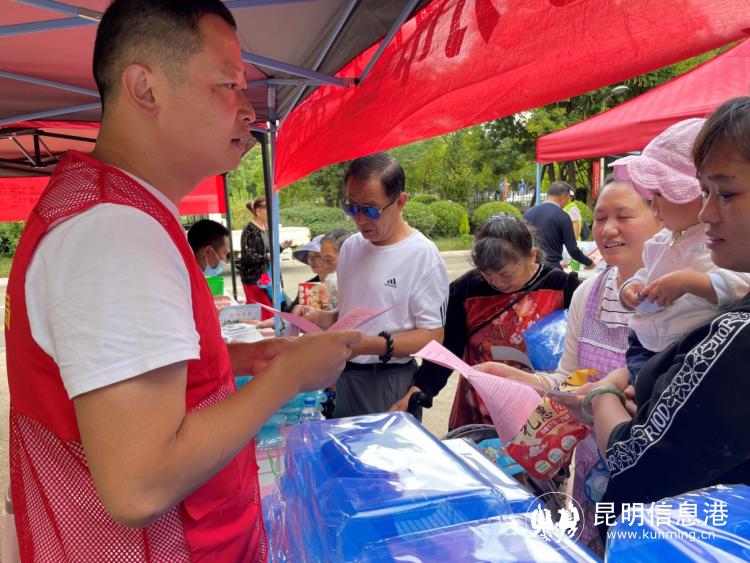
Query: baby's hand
x=631 y=296
x=666 y=290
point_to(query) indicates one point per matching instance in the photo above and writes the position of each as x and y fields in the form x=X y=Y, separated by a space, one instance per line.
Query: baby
x=679 y=287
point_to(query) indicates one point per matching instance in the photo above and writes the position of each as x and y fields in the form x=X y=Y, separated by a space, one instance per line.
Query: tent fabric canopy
x=631 y=125
x=291 y=33
x=19 y=196
x=459 y=63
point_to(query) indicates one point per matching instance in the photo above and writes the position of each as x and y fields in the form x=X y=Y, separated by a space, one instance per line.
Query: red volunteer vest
x=58 y=515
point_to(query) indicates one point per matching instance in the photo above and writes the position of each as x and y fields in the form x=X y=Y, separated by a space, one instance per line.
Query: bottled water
x=311 y=411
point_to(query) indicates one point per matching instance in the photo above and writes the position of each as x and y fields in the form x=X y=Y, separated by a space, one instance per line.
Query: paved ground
x=435 y=419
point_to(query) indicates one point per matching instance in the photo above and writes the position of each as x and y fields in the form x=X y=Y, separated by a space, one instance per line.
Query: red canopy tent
x=631 y=125
x=289 y=47
x=454 y=64
x=458 y=63
x=20 y=191
x=20 y=194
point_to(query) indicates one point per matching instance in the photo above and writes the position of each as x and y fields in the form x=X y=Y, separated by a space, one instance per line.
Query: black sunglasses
x=369 y=211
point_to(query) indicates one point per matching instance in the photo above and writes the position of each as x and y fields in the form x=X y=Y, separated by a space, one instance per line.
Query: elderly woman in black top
x=509 y=289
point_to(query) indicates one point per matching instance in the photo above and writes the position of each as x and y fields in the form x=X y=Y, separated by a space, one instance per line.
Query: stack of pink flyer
x=354 y=318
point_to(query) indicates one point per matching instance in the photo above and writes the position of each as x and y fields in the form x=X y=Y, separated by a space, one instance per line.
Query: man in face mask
x=210 y=243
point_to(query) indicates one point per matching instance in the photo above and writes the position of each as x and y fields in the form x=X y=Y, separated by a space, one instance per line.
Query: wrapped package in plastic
x=711 y=524
x=519 y=499
x=545 y=340
x=352 y=484
x=546 y=443
x=505 y=538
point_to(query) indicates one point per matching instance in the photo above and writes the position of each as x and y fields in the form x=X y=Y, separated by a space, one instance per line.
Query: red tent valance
x=630 y=126
x=19 y=195
x=459 y=63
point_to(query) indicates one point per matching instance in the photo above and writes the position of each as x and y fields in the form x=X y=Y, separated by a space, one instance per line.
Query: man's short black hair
x=382 y=166
x=206 y=233
x=162 y=32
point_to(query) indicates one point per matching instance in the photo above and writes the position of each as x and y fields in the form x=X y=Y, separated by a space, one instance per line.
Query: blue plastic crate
x=352 y=483
x=663 y=532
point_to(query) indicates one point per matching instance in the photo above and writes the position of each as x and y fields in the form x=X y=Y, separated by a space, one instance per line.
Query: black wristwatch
x=385 y=358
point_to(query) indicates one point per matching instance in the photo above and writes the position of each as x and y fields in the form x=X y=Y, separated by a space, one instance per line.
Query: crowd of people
x=125 y=421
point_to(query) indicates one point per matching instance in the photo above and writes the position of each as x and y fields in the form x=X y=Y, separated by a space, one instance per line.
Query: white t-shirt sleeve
x=108 y=298
x=574 y=212
x=429 y=300
x=576 y=311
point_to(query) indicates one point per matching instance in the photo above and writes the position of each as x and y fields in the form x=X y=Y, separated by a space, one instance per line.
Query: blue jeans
x=636 y=356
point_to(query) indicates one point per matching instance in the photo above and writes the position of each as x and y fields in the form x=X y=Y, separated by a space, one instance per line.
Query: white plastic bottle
x=311 y=411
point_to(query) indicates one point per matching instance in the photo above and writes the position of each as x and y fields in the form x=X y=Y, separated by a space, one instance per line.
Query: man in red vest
x=129 y=440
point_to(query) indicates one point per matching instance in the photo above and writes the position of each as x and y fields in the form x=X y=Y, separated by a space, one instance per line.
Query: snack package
x=313 y=294
x=546 y=442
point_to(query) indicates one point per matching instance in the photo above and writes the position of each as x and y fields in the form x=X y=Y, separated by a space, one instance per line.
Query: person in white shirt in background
x=679 y=287
x=575 y=214
x=387 y=265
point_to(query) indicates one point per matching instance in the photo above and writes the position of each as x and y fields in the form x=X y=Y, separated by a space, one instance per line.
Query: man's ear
x=138 y=82
x=402 y=199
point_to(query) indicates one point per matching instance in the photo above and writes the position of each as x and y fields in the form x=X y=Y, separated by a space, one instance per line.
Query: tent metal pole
x=326 y=49
x=48 y=83
x=236 y=4
x=61 y=8
x=303 y=82
x=50 y=113
x=272 y=205
x=232 y=267
x=388 y=38
x=538 y=187
x=47 y=25
x=272 y=64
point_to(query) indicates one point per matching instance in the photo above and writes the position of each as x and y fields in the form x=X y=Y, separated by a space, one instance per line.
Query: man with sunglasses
x=388 y=264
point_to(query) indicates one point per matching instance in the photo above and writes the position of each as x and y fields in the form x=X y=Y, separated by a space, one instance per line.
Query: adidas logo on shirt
x=391 y=283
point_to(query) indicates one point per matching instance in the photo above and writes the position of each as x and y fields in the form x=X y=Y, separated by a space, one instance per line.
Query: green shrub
x=419 y=216
x=487 y=210
x=319 y=220
x=427 y=199
x=9 y=235
x=464 y=229
x=448 y=218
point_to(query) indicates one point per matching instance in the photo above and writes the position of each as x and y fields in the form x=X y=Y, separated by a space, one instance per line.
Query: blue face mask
x=217 y=270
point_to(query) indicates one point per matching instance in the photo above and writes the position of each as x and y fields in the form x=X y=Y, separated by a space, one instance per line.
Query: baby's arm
x=668 y=288
x=630 y=294
x=631 y=290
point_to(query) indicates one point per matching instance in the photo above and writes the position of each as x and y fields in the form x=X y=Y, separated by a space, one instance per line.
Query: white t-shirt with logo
x=108 y=297
x=409 y=276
